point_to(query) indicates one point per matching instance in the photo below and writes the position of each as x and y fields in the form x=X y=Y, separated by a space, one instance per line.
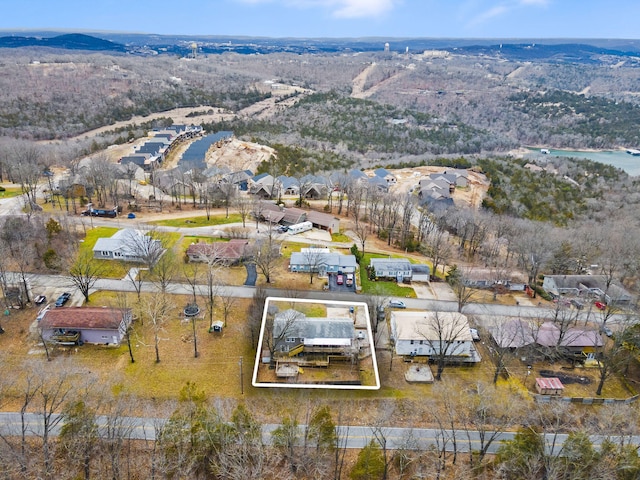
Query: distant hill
x=584 y=51
x=71 y=41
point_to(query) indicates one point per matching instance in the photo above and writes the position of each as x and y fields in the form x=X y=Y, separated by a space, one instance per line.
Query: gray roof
x=323 y=258
x=303 y=327
x=128 y=241
x=382 y=172
x=420 y=269
x=392 y=263
x=590 y=282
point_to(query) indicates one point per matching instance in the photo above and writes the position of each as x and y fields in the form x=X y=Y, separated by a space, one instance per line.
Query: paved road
x=353 y=437
x=42 y=281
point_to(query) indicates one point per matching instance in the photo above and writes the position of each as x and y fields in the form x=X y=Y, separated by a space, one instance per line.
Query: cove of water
x=617 y=158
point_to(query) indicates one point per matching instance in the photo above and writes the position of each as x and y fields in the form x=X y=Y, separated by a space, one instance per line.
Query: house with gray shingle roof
x=398 y=269
x=294 y=331
x=386 y=175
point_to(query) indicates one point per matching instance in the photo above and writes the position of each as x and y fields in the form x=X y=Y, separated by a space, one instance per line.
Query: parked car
x=600 y=305
x=349 y=279
x=577 y=303
x=62 y=299
x=40 y=299
x=131 y=215
x=607 y=331
x=339 y=279
x=474 y=335
x=397 y=304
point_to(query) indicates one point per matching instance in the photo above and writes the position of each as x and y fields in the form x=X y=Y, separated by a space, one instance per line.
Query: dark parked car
x=578 y=304
x=62 y=299
x=40 y=299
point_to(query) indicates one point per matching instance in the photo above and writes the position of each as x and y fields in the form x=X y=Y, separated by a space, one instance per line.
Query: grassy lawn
x=340 y=238
x=381 y=287
x=289 y=247
x=10 y=192
x=216 y=370
x=199 y=221
x=115 y=268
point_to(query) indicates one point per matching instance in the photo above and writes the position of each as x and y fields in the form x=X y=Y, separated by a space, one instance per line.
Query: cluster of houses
x=437 y=189
x=151 y=154
x=595 y=287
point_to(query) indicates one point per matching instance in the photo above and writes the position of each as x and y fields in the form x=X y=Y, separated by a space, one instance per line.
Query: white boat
x=633 y=151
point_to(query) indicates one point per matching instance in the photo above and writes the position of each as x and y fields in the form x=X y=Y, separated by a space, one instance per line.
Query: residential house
x=129 y=245
x=449 y=179
x=240 y=179
x=323 y=221
x=513 y=334
x=518 y=333
x=290 y=185
x=386 y=175
x=264 y=185
x=293 y=216
x=357 y=176
x=461 y=176
x=379 y=183
x=269 y=212
x=294 y=333
x=398 y=269
x=322 y=261
x=225 y=253
x=315 y=187
x=420 y=273
x=77 y=325
x=573 y=340
x=594 y=286
x=424 y=334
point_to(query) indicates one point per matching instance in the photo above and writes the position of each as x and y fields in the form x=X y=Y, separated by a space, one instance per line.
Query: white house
x=322 y=261
x=129 y=245
x=396 y=268
x=426 y=334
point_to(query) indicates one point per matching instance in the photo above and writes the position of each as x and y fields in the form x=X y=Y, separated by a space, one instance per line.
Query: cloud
x=340 y=8
x=505 y=7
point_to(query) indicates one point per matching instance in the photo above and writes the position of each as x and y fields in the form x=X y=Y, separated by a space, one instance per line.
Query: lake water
x=617 y=158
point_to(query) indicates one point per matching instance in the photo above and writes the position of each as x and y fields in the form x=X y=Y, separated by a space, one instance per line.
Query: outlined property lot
x=316 y=344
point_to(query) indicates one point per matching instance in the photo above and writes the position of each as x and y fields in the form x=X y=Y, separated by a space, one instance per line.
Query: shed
x=549 y=386
x=216 y=326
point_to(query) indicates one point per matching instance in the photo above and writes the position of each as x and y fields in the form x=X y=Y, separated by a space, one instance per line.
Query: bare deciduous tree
x=84 y=273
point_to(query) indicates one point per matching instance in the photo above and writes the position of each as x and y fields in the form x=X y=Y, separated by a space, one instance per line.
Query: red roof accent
x=232 y=250
x=95 y=318
x=552 y=383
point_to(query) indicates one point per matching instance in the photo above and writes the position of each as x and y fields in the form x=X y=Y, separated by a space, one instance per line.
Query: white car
x=474 y=334
x=397 y=304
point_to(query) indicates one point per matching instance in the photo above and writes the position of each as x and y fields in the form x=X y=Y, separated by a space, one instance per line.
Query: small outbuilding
x=549 y=386
x=216 y=326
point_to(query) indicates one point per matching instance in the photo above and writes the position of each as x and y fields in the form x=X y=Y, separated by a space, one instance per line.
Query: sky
x=334 y=18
